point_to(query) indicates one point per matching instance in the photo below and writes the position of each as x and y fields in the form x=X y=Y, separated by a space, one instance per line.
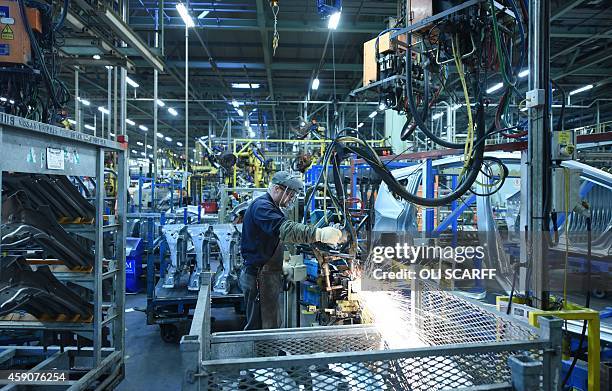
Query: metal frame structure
x=221 y=361
x=24 y=145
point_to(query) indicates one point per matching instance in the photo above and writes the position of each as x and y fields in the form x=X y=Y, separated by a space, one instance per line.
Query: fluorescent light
x=581 y=89
x=111 y=134
x=373 y=114
x=334 y=20
x=139 y=143
x=130 y=122
x=251 y=133
x=360 y=125
x=185 y=15
x=143 y=128
x=134 y=151
x=168 y=139
x=96 y=57
x=180 y=144
x=3 y=99
x=131 y=82
x=235 y=103
x=103 y=110
x=149 y=146
x=84 y=101
x=437 y=115
x=108 y=67
x=150 y=156
x=160 y=103
x=247 y=123
x=90 y=127
x=172 y=111
x=246 y=85
x=194 y=150
x=159 y=135
x=240 y=112
x=143 y=154
x=12 y=102
x=203 y=14
x=524 y=109
x=71 y=121
x=382 y=106
x=495 y=88
x=315 y=84
x=523 y=73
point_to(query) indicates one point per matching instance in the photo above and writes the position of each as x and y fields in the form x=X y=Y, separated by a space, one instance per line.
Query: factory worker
x=265 y=228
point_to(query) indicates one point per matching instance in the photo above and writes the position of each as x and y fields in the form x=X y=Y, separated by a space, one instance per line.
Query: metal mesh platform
x=465 y=344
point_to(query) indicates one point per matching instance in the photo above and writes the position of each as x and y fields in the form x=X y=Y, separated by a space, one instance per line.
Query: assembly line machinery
x=62 y=272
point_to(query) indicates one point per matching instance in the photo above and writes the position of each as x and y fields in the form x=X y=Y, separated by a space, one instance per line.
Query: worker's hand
x=329 y=235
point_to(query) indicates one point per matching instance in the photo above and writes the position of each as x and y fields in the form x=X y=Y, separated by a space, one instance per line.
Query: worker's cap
x=290 y=181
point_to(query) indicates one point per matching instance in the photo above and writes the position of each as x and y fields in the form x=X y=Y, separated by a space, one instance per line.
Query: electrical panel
x=14 y=41
x=566 y=189
x=564 y=145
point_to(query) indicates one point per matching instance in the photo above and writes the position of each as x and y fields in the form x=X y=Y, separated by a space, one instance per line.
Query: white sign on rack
x=55 y=159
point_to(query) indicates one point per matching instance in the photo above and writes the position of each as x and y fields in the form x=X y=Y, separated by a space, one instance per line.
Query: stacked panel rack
x=62 y=265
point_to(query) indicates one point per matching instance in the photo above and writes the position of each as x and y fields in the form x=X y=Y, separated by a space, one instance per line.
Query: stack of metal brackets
x=37 y=292
x=27 y=225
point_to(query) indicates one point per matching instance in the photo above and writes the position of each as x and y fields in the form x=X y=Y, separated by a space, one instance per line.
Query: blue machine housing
x=134 y=249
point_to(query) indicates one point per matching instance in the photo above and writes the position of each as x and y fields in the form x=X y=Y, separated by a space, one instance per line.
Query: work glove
x=329 y=235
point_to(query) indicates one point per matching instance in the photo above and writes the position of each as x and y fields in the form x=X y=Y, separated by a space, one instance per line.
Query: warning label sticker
x=7 y=33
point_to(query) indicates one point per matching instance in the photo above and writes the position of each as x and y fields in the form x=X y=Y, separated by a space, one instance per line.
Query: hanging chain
x=275 y=37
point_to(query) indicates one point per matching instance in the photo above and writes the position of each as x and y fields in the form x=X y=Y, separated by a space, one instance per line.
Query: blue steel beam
x=451 y=219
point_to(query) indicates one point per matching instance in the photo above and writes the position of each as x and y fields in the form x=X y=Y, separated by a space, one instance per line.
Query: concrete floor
x=150 y=363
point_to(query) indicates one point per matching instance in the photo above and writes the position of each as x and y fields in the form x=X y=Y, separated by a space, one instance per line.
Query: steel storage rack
x=31 y=147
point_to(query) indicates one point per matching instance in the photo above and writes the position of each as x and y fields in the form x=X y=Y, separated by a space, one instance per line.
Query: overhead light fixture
x=3 y=99
x=315 y=84
x=150 y=156
x=246 y=85
x=172 y=111
x=524 y=109
x=360 y=125
x=131 y=82
x=235 y=103
x=130 y=122
x=71 y=121
x=382 y=106
x=240 y=112
x=523 y=73
x=251 y=133
x=159 y=135
x=160 y=103
x=180 y=144
x=437 y=116
x=496 y=87
x=96 y=57
x=143 y=154
x=194 y=150
x=247 y=123
x=149 y=146
x=143 y=128
x=134 y=151
x=84 y=101
x=581 y=89
x=103 y=110
x=182 y=10
x=139 y=143
x=203 y=14
x=13 y=102
x=334 y=21
x=373 y=114
x=168 y=139
x=90 y=127
x=111 y=134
